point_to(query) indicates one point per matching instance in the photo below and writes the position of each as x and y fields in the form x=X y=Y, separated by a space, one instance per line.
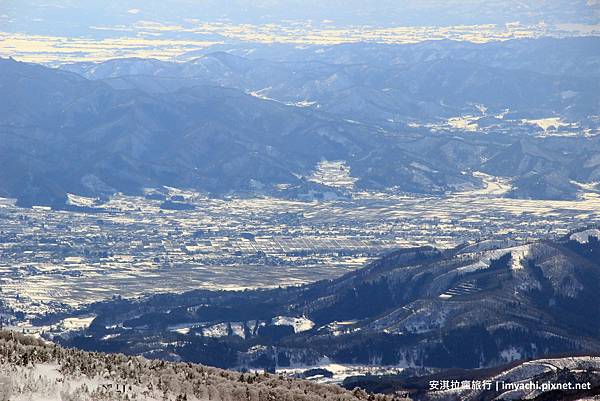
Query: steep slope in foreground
x=478 y=305
x=32 y=370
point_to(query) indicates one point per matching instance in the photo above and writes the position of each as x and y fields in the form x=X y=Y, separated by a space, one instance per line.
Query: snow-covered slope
x=479 y=305
x=31 y=370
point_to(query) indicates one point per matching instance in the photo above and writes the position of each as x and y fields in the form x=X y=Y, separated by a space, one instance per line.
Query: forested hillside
x=33 y=370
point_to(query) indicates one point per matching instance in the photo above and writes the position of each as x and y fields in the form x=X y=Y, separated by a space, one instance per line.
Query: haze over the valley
x=58 y=31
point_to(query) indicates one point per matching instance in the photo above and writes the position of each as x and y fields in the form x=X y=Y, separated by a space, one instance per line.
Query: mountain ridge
x=32 y=369
x=229 y=122
x=414 y=307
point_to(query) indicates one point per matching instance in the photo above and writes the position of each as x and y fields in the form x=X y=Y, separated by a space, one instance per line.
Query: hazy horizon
x=63 y=31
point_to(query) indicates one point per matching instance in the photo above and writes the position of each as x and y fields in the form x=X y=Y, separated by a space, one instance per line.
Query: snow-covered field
x=46 y=264
x=340 y=371
x=299 y=324
x=584 y=236
x=335 y=174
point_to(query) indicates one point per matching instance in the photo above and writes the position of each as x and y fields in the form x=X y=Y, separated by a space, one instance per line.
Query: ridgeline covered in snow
x=31 y=370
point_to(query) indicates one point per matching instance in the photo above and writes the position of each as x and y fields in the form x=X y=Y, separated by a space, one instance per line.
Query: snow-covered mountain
x=64 y=134
x=31 y=370
x=377 y=82
x=483 y=304
x=566 y=378
x=415 y=118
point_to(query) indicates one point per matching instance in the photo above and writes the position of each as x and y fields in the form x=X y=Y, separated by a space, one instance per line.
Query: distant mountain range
x=478 y=305
x=62 y=133
x=376 y=82
x=414 y=118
